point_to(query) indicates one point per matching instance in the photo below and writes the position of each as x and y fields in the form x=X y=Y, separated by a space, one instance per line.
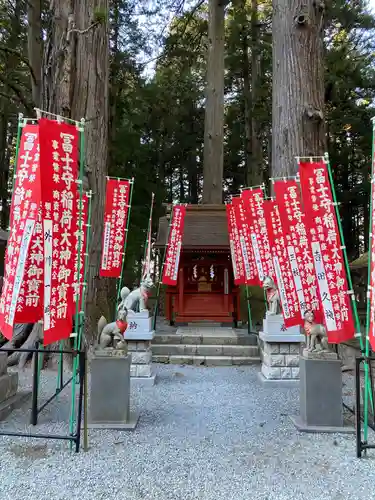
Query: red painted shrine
x=205 y=289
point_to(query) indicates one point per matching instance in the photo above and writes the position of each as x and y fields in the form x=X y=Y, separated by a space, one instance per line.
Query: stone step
x=205 y=350
x=175 y=338
x=204 y=324
x=206 y=360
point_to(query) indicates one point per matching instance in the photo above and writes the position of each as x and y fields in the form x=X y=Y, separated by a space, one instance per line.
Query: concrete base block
x=13 y=403
x=303 y=427
x=130 y=425
x=110 y=390
x=320 y=396
x=282 y=383
x=142 y=381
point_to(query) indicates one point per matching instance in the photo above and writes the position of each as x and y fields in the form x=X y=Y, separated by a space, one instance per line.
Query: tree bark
x=90 y=99
x=256 y=146
x=58 y=56
x=75 y=85
x=214 y=118
x=298 y=83
x=247 y=96
x=253 y=149
x=35 y=47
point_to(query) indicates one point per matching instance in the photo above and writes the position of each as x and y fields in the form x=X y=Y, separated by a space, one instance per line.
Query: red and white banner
x=115 y=221
x=288 y=198
x=371 y=291
x=30 y=300
x=23 y=216
x=80 y=241
x=249 y=265
x=235 y=246
x=172 y=257
x=283 y=271
x=58 y=170
x=254 y=206
x=326 y=250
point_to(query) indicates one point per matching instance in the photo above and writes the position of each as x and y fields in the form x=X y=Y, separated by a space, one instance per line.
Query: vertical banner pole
x=368 y=392
x=88 y=236
x=346 y=260
x=119 y=283
x=18 y=140
x=78 y=327
x=350 y=283
x=161 y=273
x=148 y=236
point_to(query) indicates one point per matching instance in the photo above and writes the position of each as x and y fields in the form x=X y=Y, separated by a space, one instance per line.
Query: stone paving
x=203 y=434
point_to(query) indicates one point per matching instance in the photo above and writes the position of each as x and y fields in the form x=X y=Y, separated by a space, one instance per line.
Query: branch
x=82 y=32
x=190 y=16
x=21 y=57
x=180 y=35
x=18 y=93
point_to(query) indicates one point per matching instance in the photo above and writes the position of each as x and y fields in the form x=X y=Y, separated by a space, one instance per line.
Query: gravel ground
x=204 y=433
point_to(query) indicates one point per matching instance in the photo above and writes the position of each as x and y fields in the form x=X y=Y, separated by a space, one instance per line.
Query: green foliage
x=100 y=15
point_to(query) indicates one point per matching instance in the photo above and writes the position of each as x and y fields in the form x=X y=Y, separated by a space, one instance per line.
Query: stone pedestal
x=138 y=336
x=110 y=391
x=321 y=396
x=10 y=399
x=279 y=350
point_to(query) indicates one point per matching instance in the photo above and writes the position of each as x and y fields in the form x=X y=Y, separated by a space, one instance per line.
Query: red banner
x=254 y=206
x=58 y=169
x=235 y=246
x=288 y=198
x=249 y=265
x=172 y=257
x=326 y=249
x=283 y=271
x=115 y=222
x=23 y=215
x=80 y=241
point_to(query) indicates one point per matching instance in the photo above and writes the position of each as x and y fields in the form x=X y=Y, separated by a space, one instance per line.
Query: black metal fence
x=36 y=409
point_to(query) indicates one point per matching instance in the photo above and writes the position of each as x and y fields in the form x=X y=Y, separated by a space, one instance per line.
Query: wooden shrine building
x=205 y=289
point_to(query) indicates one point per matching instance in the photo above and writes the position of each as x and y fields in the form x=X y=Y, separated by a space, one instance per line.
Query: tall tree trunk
x=253 y=150
x=75 y=84
x=214 y=118
x=256 y=146
x=298 y=83
x=193 y=177
x=8 y=126
x=250 y=174
x=90 y=100
x=181 y=183
x=59 y=52
x=35 y=50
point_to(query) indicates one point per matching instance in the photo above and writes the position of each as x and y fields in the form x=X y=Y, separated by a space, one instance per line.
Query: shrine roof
x=360 y=263
x=205 y=227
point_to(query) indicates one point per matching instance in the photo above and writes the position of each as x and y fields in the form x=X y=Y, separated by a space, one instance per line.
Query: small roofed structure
x=205 y=290
x=360 y=263
x=205 y=227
